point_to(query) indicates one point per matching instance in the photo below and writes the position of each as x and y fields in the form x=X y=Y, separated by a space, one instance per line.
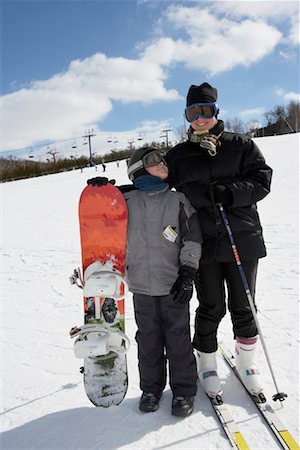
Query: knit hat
x=135 y=166
x=204 y=93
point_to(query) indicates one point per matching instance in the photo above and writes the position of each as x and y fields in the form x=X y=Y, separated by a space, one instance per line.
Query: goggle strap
x=196 y=105
x=134 y=167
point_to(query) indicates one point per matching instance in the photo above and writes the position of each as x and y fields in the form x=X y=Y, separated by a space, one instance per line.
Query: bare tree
x=181 y=133
x=235 y=125
x=252 y=126
x=269 y=116
x=293 y=115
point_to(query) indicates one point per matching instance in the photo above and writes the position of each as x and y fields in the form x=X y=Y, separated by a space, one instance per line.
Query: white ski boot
x=244 y=354
x=208 y=374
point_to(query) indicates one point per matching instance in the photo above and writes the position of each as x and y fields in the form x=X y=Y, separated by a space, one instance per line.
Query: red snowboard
x=103 y=226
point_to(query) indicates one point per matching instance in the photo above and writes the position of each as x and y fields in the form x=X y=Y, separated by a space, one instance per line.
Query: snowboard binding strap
x=95 y=341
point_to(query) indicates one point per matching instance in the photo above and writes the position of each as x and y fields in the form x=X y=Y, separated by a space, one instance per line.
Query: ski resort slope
x=43 y=401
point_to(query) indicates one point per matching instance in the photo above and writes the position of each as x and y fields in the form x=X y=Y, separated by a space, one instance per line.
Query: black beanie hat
x=204 y=93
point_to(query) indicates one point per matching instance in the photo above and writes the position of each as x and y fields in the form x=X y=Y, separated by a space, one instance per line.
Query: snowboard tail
x=105 y=381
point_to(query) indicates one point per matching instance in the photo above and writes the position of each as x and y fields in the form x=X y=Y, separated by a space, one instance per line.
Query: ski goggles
x=151 y=159
x=204 y=110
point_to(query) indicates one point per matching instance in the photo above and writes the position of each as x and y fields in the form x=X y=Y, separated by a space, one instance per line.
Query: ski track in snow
x=43 y=403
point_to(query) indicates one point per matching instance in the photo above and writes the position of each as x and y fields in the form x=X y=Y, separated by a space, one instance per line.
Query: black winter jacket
x=240 y=166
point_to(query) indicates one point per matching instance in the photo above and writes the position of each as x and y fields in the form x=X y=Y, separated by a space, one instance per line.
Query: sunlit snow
x=43 y=401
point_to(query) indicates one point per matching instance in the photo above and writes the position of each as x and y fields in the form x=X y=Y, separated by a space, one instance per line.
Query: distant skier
x=211 y=167
x=162 y=258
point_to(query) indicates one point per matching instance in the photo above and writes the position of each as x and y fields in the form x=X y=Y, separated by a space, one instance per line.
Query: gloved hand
x=183 y=286
x=100 y=181
x=222 y=194
x=210 y=142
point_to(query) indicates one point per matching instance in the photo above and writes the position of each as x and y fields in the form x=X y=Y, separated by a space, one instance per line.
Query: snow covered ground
x=43 y=401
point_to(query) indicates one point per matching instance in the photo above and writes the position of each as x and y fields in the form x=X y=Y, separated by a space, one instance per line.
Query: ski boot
x=244 y=354
x=208 y=375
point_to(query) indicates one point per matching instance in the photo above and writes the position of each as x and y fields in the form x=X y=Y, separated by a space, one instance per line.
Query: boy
x=162 y=258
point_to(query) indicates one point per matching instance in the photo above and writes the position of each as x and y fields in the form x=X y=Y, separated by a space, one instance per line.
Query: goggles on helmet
x=204 y=110
x=151 y=159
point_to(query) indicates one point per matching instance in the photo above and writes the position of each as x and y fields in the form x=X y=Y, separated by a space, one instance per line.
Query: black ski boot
x=182 y=406
x=149 y=402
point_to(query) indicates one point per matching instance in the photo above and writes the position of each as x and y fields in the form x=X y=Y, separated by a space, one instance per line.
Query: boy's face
x=159 y=170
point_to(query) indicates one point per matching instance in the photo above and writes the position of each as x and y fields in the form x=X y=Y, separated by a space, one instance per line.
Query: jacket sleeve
x=191 y=234
x=255 y=181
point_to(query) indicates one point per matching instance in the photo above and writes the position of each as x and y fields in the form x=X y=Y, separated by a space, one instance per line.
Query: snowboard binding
x=95 y=341
x=101 y=336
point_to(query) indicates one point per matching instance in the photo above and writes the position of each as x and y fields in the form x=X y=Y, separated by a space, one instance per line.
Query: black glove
x=100 y=181
x=222 y=194
x=183 y=286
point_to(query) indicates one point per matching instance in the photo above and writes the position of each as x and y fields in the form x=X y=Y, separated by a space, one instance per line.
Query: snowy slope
x=43 y=402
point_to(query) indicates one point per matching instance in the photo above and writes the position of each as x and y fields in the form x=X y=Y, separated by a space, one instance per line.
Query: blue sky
x=123 y=68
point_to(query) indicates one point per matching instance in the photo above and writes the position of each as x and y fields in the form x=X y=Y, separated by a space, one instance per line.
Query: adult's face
x=201 y=124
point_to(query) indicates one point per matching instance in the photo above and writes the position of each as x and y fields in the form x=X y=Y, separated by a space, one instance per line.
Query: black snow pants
x=210 y=286
x=164 y=334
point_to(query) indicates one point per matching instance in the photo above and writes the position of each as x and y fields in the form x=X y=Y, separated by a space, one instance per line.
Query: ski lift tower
x=53 y=152
x=166 y=135
x=130 y=145
x=88 y=135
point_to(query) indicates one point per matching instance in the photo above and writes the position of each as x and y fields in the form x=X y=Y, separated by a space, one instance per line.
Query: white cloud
x=214 y=44
x=294 y=34
x=263 y=10
x=69 y=102
x=253 y=112
x=269 y=11
x=288 y=96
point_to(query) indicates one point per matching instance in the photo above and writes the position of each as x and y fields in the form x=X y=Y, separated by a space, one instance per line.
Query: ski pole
x=279 y=395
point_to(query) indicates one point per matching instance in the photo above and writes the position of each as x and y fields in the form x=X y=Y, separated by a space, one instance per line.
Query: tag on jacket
x=170 y=234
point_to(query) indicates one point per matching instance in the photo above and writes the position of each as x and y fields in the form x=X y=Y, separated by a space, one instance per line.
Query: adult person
x=214 y=166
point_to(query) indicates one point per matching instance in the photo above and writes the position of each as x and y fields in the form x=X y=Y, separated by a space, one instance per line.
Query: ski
x=229 y=426
x=275 y=424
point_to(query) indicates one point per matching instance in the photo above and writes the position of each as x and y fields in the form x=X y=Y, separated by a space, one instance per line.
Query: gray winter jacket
x=163 y=233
